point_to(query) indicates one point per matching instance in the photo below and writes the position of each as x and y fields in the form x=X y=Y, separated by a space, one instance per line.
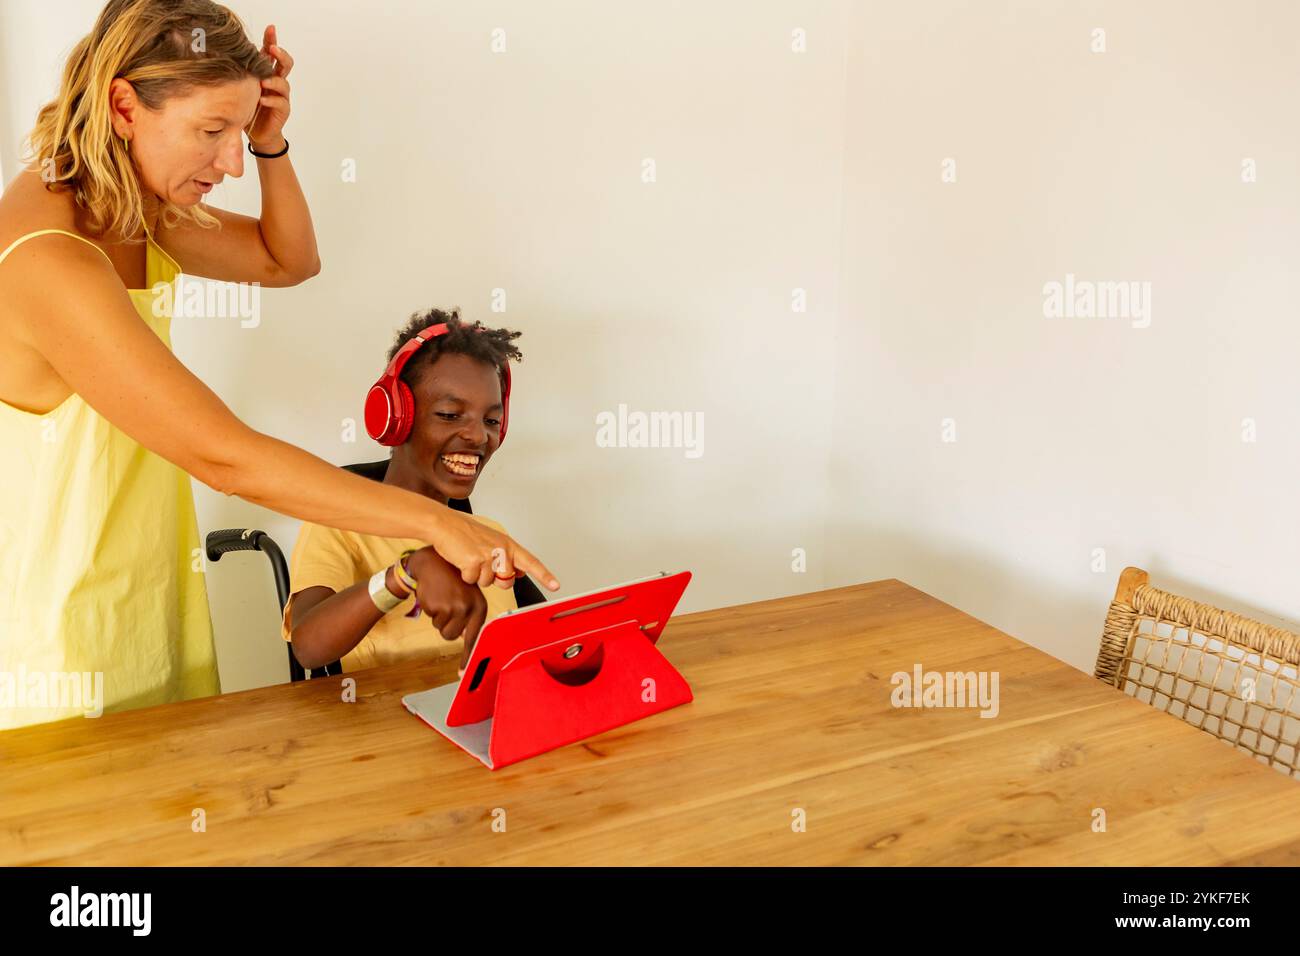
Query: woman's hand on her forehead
x=265 y=132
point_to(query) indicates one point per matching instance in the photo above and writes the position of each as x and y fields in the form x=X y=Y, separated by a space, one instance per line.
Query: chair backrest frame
x=1252 y=662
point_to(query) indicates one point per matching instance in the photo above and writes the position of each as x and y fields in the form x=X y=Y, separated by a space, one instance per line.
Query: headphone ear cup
x=404 y=408
x=379 y=411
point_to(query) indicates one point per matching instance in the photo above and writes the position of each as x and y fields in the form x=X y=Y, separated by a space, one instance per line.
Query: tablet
x=559 y=626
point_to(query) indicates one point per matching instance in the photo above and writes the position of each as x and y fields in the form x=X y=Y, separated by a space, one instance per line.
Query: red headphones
x=390 y=406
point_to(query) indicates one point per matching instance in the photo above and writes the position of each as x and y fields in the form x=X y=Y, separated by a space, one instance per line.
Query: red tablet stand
x=554 y=674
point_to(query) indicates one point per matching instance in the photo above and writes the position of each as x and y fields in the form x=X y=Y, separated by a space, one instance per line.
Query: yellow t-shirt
x=339 y=559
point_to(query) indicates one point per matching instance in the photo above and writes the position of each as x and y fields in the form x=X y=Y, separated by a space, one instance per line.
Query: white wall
x=1072 y=434
x=818 y=171
x=523 y=171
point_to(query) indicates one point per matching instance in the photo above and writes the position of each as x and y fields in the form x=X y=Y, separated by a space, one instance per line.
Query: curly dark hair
x=496 y=347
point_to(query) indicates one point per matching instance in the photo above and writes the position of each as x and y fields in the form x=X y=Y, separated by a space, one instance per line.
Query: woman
x=99 y=421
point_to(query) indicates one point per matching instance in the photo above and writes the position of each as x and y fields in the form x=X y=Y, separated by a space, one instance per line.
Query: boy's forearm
x=327 y=631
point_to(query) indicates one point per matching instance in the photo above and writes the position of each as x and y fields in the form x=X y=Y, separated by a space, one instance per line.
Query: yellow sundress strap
x=41 y=232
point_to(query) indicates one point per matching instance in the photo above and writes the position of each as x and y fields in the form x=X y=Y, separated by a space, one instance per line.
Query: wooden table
x=792 y=712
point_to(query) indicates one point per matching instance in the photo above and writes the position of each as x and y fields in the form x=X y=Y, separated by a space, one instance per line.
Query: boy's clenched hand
x=455 y=608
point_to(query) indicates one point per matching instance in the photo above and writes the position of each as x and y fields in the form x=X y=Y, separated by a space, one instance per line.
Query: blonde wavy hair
x=153 y=45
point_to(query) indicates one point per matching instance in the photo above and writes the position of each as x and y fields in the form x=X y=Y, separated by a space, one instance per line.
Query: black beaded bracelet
x=268 y=155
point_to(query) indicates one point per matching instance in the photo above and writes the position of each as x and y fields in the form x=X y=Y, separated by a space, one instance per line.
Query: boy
x=358 y=598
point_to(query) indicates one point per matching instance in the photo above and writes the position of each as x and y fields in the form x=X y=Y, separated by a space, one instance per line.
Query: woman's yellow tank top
x=101 y=571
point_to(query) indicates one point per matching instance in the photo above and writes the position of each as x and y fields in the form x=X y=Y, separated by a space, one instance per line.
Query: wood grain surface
x=792 y=720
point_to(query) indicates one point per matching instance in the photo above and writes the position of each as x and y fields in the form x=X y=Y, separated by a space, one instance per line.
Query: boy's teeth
x=461 y=464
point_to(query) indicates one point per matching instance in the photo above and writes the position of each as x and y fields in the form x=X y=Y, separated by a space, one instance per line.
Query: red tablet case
x=548 y=675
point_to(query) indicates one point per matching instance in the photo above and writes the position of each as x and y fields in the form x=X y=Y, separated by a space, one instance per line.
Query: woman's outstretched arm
x=64 y=300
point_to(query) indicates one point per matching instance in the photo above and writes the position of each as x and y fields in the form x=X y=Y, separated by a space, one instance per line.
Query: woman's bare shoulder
x=26 y=206
x=34 y=268
x=27 y=381
x=26 y=200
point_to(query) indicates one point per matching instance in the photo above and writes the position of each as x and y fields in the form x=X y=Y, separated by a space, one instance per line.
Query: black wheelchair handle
x=250 y=539
x=233 y=539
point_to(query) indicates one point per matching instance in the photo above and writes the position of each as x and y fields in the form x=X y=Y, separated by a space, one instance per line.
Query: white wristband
x=383 y=598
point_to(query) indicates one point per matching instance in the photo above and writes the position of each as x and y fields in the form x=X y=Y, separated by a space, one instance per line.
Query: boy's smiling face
x=457 y=424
